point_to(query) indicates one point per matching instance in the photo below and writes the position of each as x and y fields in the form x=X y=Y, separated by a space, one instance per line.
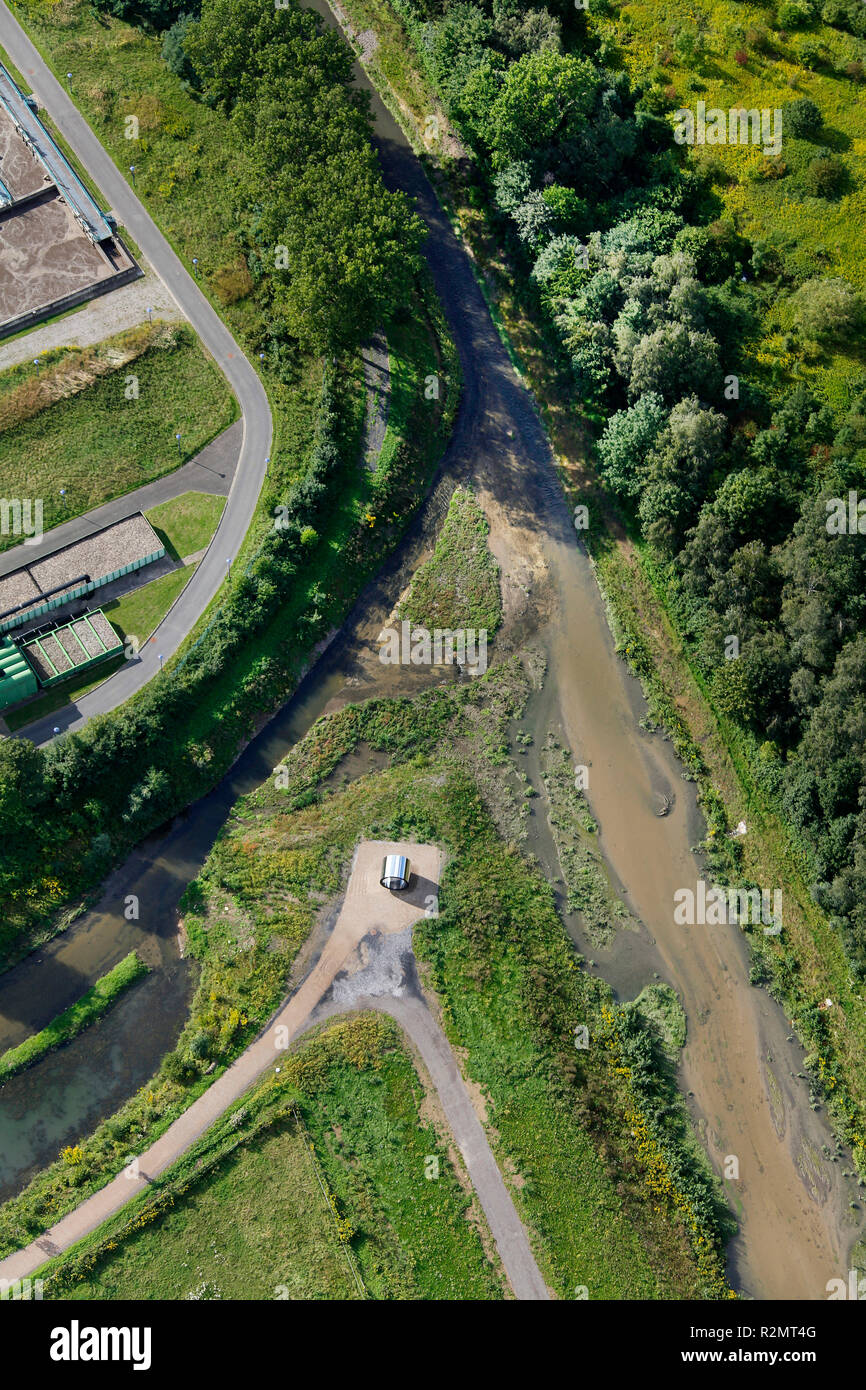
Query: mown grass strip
x=93 y=1005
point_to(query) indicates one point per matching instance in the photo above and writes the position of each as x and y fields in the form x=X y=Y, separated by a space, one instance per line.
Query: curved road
x=242 y=377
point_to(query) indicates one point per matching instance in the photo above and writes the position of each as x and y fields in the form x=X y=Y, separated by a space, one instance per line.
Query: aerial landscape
x=433 y=662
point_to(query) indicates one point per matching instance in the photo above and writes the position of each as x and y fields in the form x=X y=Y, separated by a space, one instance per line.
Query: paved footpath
x=241 y=375
x=368 y=916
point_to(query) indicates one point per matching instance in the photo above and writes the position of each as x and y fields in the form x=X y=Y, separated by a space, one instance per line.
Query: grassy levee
x=91 y=1006
x=807 y=964
x=318 y=1185
x=101 y=421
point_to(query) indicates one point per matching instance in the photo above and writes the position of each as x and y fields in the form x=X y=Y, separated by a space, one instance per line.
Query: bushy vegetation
x=458 y=587
x=338 y=250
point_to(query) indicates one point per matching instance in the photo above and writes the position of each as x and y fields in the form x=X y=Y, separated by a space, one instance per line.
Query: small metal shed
x=395 y=872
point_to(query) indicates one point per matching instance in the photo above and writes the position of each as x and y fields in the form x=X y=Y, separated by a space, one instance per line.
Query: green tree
x=352 y=251
x=546 y=98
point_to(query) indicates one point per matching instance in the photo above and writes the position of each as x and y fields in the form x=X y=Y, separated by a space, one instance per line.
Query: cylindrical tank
x=395 y=872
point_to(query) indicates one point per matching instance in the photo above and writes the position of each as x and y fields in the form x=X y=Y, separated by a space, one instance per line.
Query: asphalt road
x=242 y=377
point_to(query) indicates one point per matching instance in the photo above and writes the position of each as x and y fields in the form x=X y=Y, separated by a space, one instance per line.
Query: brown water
x=738 y=1068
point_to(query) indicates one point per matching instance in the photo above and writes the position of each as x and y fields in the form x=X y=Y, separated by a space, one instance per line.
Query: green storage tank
x=17 y=680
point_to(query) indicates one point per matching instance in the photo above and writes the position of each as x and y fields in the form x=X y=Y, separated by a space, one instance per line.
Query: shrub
x=794 y=14
x=828 y=310
x=174 y=53
x=825 y=176
x=801 y=118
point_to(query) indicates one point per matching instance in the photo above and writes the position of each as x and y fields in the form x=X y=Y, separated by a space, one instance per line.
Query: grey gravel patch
x=368 y=40
x=388 y=969
x=377 y=379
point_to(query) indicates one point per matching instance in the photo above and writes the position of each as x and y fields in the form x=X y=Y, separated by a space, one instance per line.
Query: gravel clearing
x=88 y=638
x=72 y=647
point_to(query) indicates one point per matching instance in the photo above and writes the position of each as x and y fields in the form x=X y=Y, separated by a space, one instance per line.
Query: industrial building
x=77 y=570
x=57 y=248
x=43 y=657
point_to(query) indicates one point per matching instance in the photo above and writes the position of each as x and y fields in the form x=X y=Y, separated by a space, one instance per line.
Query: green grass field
x=186 y=523
x=336 y=1199
x=103 y=440
x=259 y=1225
x=139 y=612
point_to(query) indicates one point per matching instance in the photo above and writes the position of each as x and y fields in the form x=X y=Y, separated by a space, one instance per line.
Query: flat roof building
x=77 y=569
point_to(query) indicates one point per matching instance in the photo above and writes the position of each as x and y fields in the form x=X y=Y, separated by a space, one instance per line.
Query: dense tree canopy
x=339 y=249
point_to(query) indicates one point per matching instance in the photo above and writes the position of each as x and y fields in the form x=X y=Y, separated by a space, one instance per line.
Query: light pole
x=179 y=454
x=63 y=495
x=160 y=663
x=150 y=316
x=132 y=171
x=267 y=462
x=36 y=364
x=195 y=266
